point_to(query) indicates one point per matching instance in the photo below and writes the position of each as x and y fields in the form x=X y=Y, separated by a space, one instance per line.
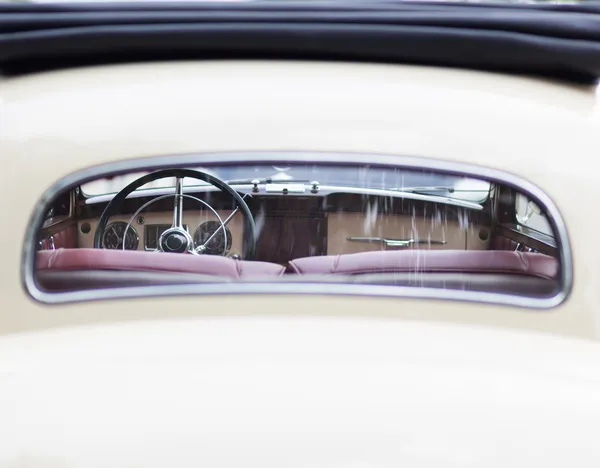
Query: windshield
x=365 y=177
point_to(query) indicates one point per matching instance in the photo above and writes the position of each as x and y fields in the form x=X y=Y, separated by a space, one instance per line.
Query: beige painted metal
x=52 y=124
x=297 y=392
x=340 y=226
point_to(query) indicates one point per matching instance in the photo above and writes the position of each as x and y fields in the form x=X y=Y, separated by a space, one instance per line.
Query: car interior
x=297 y=222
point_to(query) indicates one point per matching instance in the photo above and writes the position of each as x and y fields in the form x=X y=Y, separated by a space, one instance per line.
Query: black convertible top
x=557 y=41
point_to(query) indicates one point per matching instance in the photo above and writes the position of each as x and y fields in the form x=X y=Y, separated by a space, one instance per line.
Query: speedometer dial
x=113 y=237
x=216 y=245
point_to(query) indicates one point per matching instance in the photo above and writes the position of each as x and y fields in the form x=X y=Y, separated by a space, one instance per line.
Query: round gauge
x=216 y=245
x=113 y=237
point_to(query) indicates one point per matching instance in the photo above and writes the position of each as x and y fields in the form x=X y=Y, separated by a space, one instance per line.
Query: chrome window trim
x=221 y=158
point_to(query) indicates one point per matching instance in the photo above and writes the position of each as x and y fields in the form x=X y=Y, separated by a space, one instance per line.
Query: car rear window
x=340 y=225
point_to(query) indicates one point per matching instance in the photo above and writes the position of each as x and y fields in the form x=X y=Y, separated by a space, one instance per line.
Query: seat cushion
x=133 y=260
x=423 y=261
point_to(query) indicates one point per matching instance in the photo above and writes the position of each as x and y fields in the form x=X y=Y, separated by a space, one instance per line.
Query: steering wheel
x=176 y=239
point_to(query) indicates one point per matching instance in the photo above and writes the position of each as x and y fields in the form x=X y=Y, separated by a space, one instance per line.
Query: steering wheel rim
x=250 y=232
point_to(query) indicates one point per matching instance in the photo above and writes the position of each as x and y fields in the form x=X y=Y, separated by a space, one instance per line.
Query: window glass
x=356 y=176
x=300 y=224
x=529 y=214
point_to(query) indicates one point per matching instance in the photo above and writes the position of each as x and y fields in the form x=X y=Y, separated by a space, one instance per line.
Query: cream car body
x=304 y=380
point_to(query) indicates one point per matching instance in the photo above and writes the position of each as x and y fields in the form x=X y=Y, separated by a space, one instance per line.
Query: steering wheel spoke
x=178 y=208
x=222 y=227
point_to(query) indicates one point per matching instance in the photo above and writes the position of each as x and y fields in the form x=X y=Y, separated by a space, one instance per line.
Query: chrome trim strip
x=394 y=242
x=408 y=162
x=310 y=288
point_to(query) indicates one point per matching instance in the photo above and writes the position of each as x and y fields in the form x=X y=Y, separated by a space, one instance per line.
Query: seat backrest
x=128 y=260
x=433 y=261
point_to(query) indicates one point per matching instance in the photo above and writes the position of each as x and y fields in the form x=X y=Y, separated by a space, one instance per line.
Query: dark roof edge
x=555 y=41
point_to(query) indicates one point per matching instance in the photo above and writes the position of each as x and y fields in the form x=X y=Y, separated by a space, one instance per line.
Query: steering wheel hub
x=175 y=242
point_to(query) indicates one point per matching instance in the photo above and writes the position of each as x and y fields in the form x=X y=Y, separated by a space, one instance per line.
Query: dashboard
x=295 y=226
x=146 y=228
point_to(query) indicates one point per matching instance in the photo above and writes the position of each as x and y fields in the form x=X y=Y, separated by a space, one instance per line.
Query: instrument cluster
x=120 y=236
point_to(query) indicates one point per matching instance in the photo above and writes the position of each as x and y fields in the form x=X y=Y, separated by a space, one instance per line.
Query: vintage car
x=299 y=234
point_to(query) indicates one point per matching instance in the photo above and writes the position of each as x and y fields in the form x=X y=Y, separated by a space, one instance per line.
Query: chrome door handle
x=394 y=242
